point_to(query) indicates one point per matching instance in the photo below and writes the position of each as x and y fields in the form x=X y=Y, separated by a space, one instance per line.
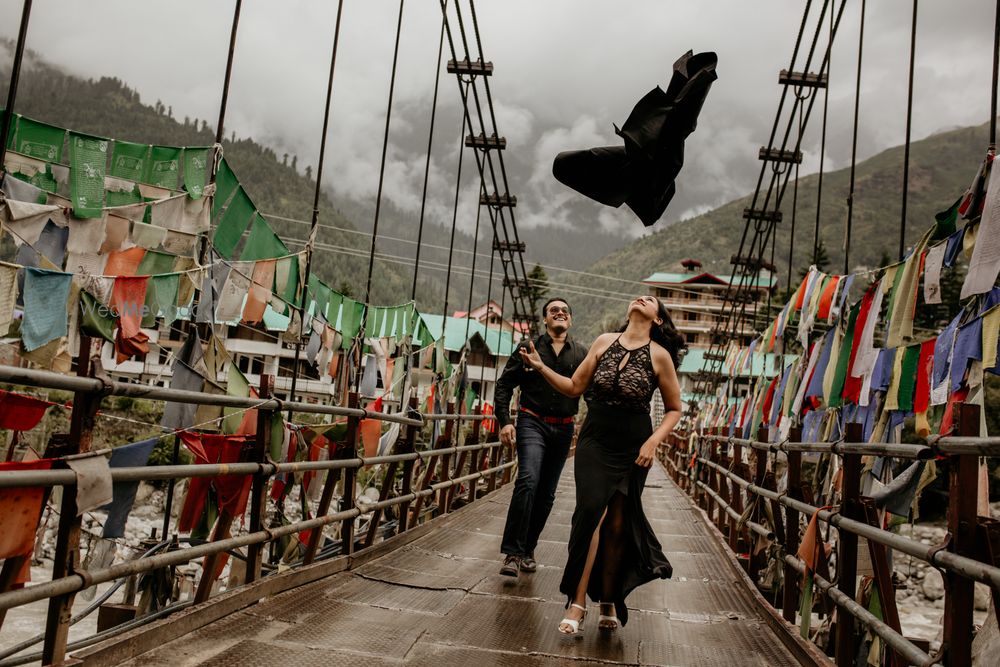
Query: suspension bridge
x=775 y=500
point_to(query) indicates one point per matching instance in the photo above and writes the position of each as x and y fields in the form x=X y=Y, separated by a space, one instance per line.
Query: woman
x=610 y=536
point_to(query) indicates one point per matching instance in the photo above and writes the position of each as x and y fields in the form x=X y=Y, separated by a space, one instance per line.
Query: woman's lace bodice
x=624 y=378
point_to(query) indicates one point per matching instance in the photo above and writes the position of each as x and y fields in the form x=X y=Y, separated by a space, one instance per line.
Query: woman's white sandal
x=609 y=623
x=575 y=624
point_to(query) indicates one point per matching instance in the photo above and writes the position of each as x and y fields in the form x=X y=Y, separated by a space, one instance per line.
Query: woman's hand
x=647 y=453
x=530 y=357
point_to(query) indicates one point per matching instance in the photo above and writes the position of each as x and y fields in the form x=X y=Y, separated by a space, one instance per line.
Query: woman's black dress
x=617 y=425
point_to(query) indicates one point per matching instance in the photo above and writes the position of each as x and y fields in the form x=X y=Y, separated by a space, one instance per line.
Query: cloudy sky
x=565 y=71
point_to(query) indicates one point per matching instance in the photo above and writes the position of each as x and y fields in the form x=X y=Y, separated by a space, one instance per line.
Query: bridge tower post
x=790 y=595
x=847 y=557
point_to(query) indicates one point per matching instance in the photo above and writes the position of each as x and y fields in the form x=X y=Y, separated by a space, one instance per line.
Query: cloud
x=562 y=77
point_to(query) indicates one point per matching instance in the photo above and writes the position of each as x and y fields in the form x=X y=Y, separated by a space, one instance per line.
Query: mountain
x=108 y=107
x=941 y=167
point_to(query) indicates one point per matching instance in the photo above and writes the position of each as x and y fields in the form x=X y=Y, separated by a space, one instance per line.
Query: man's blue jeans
x=541 y=454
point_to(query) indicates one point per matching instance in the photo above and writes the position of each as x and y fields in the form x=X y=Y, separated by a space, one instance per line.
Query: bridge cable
x=996 y=76
x=854 y=143
x=906 y=145
x=454 y=214
x=15 y=75
x=427 y=165
x=314 y=224
x=385 y=150
x=822 y=151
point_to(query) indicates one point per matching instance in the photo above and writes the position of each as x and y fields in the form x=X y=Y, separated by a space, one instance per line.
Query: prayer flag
x=88 y=157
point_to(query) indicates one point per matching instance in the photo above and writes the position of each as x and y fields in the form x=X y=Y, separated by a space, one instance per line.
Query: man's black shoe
x=510 y=566
x=528 y=563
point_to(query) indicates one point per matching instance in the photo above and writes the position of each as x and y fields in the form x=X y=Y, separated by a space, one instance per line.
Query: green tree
x=822 y=260
x=538 y=288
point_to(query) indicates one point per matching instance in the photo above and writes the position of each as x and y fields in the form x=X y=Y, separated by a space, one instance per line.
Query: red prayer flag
x=852 y=384
x=233 y=490
x=801 y=293
x=826 y=298
x=20 y=510
x=19 y=412
x=128 y=298
x=922 y=396
x=371 y=429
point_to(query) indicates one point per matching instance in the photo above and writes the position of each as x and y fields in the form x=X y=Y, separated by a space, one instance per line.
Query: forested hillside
x=108 y=107
x=941 y=168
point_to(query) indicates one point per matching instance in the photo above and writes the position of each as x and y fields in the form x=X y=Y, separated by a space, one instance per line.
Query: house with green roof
x=695 y=300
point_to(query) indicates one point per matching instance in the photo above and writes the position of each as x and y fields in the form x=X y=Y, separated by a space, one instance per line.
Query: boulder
x=932 y=585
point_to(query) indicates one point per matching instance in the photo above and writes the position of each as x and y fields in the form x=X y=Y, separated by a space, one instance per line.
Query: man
x=543 y=434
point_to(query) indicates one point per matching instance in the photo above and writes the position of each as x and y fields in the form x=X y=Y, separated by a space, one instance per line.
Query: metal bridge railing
x=414 y=493
x=732 y=480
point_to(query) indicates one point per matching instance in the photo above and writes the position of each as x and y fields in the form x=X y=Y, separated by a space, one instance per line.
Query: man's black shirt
x=538 y=395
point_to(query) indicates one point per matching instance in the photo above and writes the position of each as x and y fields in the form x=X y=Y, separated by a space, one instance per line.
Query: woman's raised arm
x=570 y=386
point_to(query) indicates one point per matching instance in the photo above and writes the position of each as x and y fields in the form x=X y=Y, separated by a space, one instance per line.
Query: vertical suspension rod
x=385 y=149
x=906 y=146
x=854 y=144
x=15 y=75
x=314 y=223
x=427 y=165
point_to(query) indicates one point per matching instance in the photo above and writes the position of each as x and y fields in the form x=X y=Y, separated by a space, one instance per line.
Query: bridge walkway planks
x=439 y=601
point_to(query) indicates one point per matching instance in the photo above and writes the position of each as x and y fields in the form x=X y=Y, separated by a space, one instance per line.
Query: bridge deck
x=439 y=601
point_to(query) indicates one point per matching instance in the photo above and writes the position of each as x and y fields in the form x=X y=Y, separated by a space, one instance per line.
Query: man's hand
x=507 y=434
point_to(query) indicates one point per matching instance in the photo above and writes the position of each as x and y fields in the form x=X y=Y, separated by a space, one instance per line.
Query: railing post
x=332 y=477
x=476 y=457
x=963 y=487
x=407 y=447
x=847 y=557
x=736 y=499
x=449 y=431
x=494 y=457
x=349 y=451
x=67 y=556
x=790 y=595
x=757 y=558
x=258 y=497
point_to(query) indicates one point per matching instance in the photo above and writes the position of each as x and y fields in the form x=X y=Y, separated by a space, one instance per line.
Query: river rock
x=982 y=597
x=932 y=585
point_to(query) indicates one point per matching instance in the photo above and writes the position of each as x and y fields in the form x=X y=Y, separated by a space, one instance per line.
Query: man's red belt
x=549 y=420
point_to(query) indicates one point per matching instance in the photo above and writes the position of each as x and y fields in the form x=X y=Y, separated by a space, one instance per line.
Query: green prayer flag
x=263 y=243
x=470 y=398
x=128 y=160
x=233 y=223
x=806 y=604
x=350 y=323
x=88 y=158
x=195 y=171
x=836 y=398
x=286 y=280
x=946 y=222
x=96 y=319
x=118 y=198
x=161 y=298
x=40 y=140
x=333 y=309
x=323 y=300
x=45 y=180
x=277 y=437
x=908 y=377
x=225 y=185
x=154 y=263
x=237 y=386
x=164 y=167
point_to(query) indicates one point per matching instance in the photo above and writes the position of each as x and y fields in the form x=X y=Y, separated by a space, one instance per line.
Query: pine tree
x=538 y=287
x=822 y=260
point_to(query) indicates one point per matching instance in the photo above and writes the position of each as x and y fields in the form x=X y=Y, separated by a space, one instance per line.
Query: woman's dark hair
x=665 y=334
